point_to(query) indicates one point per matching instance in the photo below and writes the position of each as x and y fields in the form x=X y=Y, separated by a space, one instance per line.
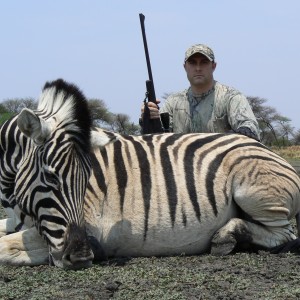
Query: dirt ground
x=239 y=276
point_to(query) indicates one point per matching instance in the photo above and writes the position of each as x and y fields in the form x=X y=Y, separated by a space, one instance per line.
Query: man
x=207 y=105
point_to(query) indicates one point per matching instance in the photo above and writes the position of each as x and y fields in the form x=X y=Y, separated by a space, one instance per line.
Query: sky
x=98 y=46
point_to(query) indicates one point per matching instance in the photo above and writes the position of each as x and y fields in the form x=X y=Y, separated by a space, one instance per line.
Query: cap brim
x=199 y=52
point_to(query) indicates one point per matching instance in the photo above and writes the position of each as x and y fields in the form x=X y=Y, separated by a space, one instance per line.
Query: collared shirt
x=219 y=110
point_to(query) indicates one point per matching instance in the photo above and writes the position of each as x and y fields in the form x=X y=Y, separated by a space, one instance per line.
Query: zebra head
x=52 y=179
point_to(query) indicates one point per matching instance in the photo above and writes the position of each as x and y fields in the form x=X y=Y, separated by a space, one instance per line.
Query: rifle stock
x=149 y=125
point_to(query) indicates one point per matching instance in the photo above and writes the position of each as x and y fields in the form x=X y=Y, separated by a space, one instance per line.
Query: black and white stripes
x=45 y=163
x=162 y=194
x=183 y=180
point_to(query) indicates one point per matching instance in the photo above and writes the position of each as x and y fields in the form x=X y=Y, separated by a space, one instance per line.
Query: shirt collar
x=202 y=96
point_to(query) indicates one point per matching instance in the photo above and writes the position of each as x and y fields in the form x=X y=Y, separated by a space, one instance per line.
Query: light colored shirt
x=219 y=110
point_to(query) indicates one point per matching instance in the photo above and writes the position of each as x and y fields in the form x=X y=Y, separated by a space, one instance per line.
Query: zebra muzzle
x=76 y=253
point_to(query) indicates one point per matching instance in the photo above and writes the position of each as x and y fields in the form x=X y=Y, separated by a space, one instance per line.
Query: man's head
x=200 y=65
x=201 y=49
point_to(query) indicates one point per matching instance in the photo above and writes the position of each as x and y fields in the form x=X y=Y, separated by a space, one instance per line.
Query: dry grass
x=240 y=276
x=289 y=153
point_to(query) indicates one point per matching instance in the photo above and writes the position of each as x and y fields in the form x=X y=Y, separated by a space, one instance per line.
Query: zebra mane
x=67 y=104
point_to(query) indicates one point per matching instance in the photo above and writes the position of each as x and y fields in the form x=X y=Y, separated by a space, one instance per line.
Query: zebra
x=45 y=168
x=151 y=195
x=173 y=194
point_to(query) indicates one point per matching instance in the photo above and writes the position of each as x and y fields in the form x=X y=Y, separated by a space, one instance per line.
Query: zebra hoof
x=221 y=246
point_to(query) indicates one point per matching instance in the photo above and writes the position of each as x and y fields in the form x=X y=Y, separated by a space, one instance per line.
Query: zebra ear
x=100 y=139
x=33 y=126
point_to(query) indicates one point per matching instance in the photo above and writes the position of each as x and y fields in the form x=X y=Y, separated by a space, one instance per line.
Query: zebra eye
x=52 y=179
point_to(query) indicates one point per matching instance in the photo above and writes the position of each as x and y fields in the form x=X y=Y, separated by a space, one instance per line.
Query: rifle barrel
x=142 y=21
x=149 y=125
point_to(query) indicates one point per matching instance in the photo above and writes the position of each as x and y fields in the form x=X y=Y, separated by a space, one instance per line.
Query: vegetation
x=207 y=277
x=289 y=153
x=10 y=107
x=102 y=117
x=276 y=129
x=5 y=116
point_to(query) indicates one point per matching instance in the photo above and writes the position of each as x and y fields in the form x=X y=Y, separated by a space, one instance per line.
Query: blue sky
x=98 y=46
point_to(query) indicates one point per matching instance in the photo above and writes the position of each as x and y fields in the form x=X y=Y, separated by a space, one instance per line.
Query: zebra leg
x=7 y=226
x=241 y=231
x=12 y=223
x=24 y=248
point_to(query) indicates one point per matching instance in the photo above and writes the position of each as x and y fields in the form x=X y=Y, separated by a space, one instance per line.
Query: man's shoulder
x=226 y=90
x=177 y=95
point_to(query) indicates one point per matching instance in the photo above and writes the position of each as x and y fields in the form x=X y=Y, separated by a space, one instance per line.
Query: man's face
x=199 y=70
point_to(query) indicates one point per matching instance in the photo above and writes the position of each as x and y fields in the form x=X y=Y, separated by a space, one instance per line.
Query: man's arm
x=241 y=117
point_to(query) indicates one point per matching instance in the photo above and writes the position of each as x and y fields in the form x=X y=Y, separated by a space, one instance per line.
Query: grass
x=239 y=276
x=289 y=153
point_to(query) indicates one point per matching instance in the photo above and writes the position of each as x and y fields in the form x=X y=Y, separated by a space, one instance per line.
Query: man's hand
x=154 y=111
x=246 y=131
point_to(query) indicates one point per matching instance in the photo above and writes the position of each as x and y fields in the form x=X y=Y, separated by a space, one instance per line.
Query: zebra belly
x=125 y=238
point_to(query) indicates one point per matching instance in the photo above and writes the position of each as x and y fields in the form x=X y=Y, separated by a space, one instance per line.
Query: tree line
x=276 y=129
x=101 y=115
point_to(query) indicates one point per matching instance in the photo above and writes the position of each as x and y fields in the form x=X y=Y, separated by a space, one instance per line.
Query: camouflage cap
x=199 y=48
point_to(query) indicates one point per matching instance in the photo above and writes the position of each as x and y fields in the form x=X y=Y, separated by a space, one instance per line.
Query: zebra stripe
x=195 y=171
x=45 y=169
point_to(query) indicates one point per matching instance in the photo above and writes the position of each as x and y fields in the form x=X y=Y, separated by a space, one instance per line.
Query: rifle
x=151 y=125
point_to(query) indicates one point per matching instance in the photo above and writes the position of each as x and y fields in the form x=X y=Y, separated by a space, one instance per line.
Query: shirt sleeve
x=240 y=114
